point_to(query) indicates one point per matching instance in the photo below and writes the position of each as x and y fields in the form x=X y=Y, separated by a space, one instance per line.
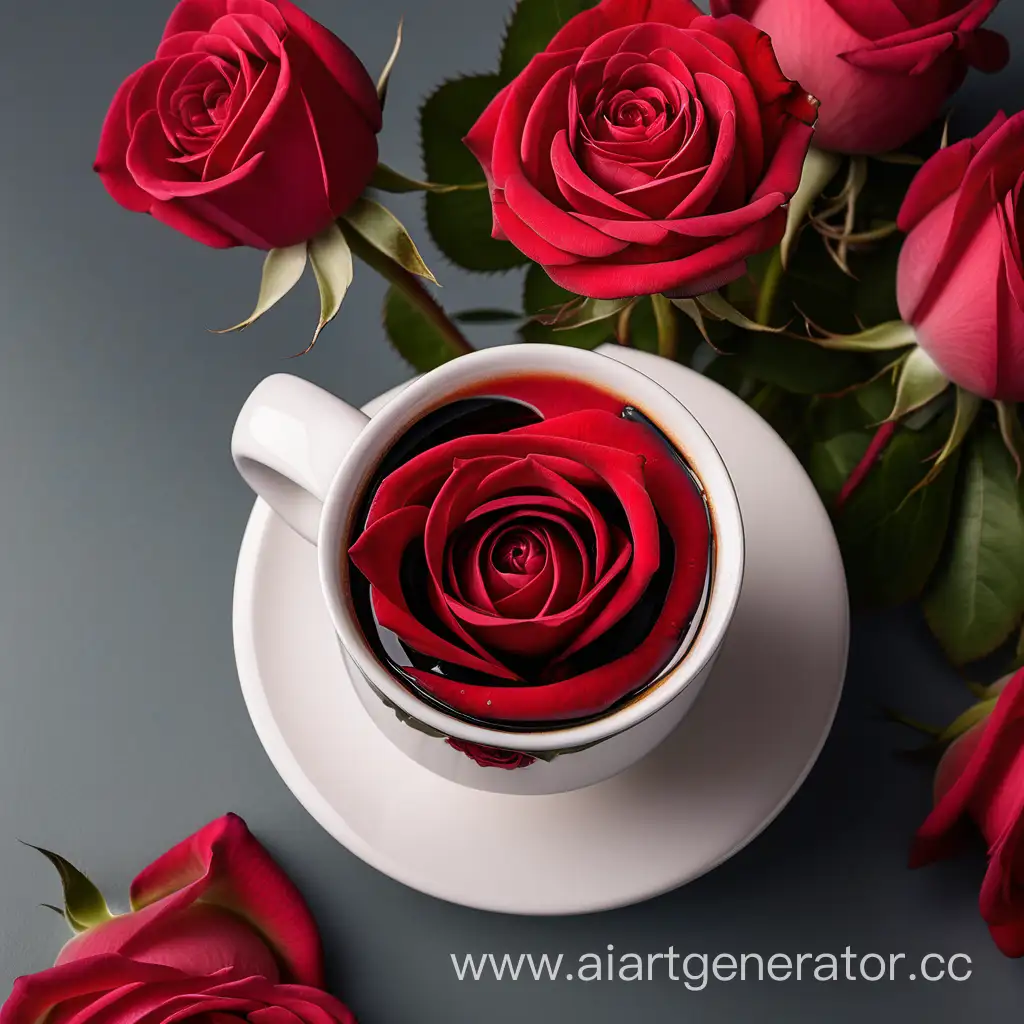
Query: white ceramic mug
x=310 y=456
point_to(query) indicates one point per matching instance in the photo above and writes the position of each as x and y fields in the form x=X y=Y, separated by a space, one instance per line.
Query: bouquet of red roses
x=769 y=193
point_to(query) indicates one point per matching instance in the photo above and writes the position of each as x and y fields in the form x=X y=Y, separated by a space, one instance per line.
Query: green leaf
x=84 y=905
x=533 y=25
x=977 y=597
x=417 y=340
x=541 y=296
x=920 y=381
x=460 y=222
x=487 y=316
x=830 y=463
x=892 y=536
x=1020 y=650
x=386 y=233
x=387 y=179
x=332 y=264
x=798 y=366
x=385 y=75
x=874 y=292
x=282 y=270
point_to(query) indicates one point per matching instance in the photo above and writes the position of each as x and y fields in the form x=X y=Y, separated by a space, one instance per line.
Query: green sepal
x=695 y=313
x=387 y=179
x=819 y=169
x=1012 y=432
x=971 y=717
x=884 y=338
x=920 y=381
x=331 y=257
x=722 y=309
x=581 y=312
x=976 y=599
x=84 y=905
x=385 y=75
x=541 y=296
x=282 y=271
x=377 y=225
x=967 y=408
x=417 y=340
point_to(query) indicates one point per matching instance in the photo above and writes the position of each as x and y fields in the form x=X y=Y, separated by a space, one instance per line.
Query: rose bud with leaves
x=648 y=149
x=981 y=780
x=882 y=69
x=216 y=927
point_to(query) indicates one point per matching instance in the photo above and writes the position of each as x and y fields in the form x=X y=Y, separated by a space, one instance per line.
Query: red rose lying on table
x=981 y=780
x=216 y=929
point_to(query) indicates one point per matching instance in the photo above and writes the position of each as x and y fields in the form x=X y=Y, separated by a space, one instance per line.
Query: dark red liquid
x=501 y=405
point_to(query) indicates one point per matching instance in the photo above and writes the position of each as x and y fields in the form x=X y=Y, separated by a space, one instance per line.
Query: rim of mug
x=431 y=391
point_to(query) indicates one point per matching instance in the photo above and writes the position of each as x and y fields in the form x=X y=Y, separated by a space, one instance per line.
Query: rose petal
x=719 y=263
x=936 y=838
x=374 y=555
x=225 y=866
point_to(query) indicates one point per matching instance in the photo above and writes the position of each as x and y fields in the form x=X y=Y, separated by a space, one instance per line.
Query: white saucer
x=733 y=764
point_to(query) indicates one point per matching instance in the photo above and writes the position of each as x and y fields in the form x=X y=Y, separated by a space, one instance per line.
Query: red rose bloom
x=217 y=930
x=492 y=757
x=882 y=69
x=961 y=274
x=253 y=125
x=649 y=148
x=535 y=544
x=981 y=778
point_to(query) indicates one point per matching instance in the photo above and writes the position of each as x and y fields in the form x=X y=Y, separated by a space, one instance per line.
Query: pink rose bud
x=981 y=779
x=649 y=148
x=961 y=279
x=882 y=69
x=253 y=126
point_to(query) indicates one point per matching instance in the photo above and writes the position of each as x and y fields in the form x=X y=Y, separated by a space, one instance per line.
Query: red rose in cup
x=649 y=148
x=551 y=569
x=981 y=779
x=882 y=69
x=253 y=126
x=216 y=930
x=961 y=274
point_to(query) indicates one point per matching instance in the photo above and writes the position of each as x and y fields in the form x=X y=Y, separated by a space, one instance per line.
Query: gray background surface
x=122 y=727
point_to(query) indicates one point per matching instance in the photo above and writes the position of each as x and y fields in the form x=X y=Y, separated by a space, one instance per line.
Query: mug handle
x=289 y=440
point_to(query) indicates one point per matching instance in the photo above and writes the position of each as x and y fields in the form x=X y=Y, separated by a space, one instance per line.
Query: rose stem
x=668 y=327
x=410 y=286
x=878 y=445
x=769 y=289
